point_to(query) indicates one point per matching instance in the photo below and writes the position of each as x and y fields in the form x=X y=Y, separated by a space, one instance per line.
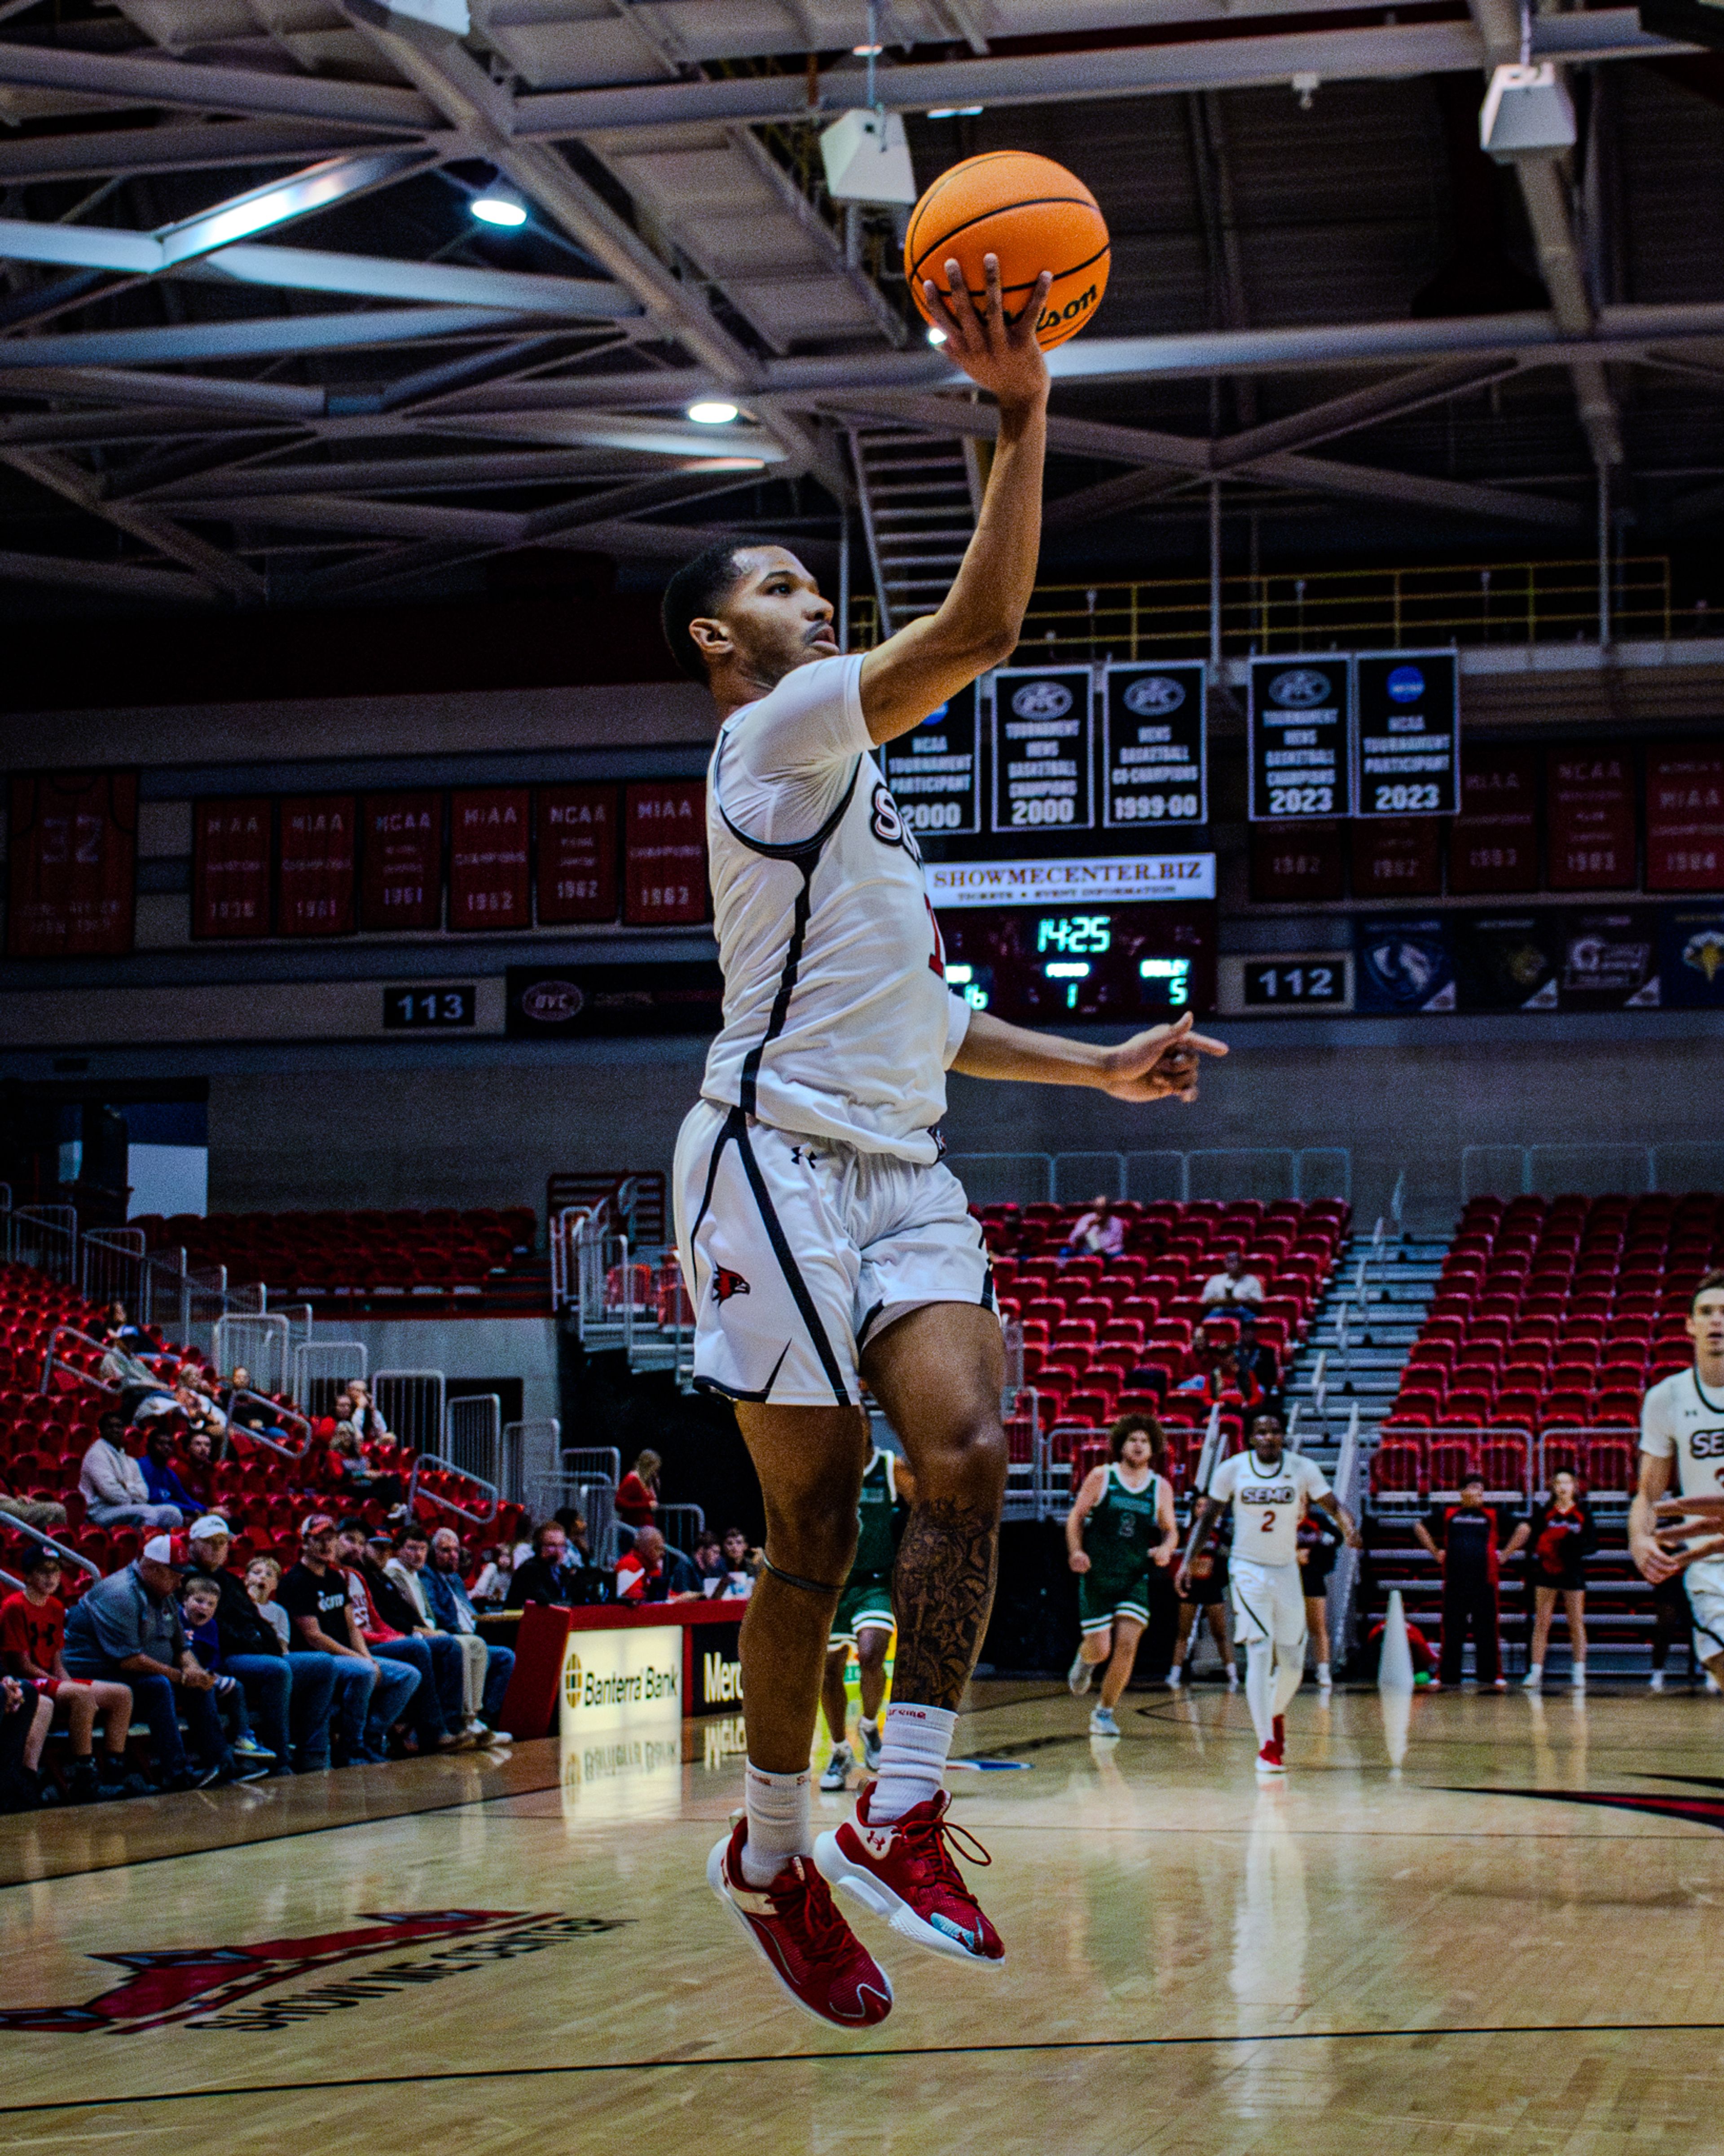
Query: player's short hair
x=699 y=587
x=1265 y=1414
x=1139 y=1420
x=1707 y=1284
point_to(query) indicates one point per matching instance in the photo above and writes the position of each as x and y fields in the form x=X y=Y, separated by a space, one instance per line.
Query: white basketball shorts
x=1268 y=1603
x=1704 y=1582
x=796 y=1249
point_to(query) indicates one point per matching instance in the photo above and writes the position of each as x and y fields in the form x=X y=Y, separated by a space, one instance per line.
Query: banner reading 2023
x=1297 y=724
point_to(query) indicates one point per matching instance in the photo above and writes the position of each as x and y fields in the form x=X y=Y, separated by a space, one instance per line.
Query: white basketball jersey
x=1268 y=1503
x=838 y=1022
x=1677 y=1420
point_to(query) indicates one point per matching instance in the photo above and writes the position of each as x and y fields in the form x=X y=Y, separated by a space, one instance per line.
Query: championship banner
x=1589 y=809
x=233 y=853
x=488 y=885
x=935 y=770
x=1153 y=745
x=1685 y=817
x=664 y=853
x=1398 y=857
x=576 y=830
x=1294 y=862
x=314 y=875
x=1493 y=844
x=401 y=884
x=1043 y=751
x=1299 y=725
x=1407 y=733
x=73 y=863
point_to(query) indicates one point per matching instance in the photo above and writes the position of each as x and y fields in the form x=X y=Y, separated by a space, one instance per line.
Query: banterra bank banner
x=1130 y=880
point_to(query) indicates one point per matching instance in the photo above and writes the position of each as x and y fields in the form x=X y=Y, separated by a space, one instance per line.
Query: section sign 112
x=1153 y=742
x=1297 y=724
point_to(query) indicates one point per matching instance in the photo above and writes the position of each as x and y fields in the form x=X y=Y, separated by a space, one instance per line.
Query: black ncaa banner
x=1407 y=733
x=1042 y=759
x=935 y=770
x=1152 y=745
x=1298 y=726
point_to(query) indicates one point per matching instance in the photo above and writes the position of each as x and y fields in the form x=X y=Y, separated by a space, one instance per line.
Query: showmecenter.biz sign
x=1131 y=879
x=622 y=1678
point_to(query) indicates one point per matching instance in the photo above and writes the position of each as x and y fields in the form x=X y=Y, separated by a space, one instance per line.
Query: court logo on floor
x=225 y=1987
x=1697 y=1811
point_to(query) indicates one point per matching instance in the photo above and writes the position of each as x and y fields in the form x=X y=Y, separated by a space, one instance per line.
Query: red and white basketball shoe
x=1270 y=1760
x=795 y=1926
x=903 y=1870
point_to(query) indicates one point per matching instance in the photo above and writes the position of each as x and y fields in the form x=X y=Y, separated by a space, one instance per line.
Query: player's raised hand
x=998 y=353
x=1690 y=1528
x=1160 y=1064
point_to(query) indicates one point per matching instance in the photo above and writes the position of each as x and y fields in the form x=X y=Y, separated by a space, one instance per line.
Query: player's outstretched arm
x=1655 y=1562
x=1159 y=1064
x=977 y=624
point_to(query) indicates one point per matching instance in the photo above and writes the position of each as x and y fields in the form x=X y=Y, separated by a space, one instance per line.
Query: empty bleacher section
x=1550 y=1318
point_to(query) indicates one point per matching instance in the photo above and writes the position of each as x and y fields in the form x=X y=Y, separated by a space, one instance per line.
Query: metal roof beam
x=129 y=79
x=183 y=147
x=226 y=577
x=191 y=343
x=121 y=579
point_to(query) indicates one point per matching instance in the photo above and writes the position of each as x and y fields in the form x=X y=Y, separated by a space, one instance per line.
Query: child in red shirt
x=32 y=1632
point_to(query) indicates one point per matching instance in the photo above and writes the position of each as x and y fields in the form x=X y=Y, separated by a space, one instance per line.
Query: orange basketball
x=1034 y=216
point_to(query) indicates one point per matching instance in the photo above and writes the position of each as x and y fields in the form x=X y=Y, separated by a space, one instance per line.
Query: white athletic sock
x=1261 y=1689
x=871 y=1724
x=779 y=1824
x=914 y=1742
x=1322 y=1673
x=1290 y=1675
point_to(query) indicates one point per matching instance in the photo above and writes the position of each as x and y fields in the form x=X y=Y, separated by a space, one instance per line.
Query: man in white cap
x=127 y=1628
x=289 y=1690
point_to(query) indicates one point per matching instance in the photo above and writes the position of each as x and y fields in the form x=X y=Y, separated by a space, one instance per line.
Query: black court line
x=1069 y=2043
x=262 y=1840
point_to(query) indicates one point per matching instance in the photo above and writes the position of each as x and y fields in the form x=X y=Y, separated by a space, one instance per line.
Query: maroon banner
x=664 y=853
x=576 y=827
x=1685 y=817
x=233 y=851
x=1295 y=861
x=1589 y=804
x=401 y=882
x=1398 y=857
x=1493 y=844
x=73 y=864
x=488 y=884
x=314 y=872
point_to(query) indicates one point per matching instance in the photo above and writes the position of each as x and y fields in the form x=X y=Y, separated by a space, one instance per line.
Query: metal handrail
x=257 y=1437
x=87 y=1340
x=434 y=1459
x=7 y=1523
x=1206 y=1458
x=1344 y=1578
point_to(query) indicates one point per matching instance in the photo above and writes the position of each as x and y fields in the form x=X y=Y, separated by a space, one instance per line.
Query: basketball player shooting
x=823 y=1242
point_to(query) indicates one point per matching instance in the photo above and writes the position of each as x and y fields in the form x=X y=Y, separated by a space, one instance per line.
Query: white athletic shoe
x=1102 y=1723
x=870 y=1746
x=1577 y=1676
x=1325 y=1682
x=1655 y=1681
x=1079 y=1676
x=835 y=1775
x=1270 y=1762
x=1175 y=1677
x=1534 y=1679
x=1232 y=1677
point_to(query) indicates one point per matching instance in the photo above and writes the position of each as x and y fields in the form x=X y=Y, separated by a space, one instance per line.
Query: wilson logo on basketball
x=220 y=1987
x=1073 y=310
x=725 y=1284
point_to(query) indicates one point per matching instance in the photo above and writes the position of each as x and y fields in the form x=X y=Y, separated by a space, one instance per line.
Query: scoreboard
x=1132 y=965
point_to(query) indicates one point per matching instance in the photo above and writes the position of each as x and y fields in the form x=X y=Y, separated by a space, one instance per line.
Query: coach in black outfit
x=547 y=1576
x=1463 y=1539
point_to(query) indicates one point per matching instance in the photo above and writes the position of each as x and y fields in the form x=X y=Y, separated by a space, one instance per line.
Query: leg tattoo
x=942 y=1590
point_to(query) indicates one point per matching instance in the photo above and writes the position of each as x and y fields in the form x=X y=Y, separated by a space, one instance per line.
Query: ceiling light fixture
x=866 y=52
x=955 y=112
x=498 y=205
x=712 y=412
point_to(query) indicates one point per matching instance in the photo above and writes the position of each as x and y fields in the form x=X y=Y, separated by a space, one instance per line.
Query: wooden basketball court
x=1509 y=1942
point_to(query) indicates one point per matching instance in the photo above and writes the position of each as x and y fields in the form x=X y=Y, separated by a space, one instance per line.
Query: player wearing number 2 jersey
x=1269 y=1490
x=822 y=1242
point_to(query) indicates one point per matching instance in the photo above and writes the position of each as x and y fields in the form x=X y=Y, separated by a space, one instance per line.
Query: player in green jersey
x=864 y=1618
x=1120 y=1528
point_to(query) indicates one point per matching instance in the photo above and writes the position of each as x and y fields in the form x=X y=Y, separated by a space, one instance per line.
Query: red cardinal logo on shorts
x=726 y=1284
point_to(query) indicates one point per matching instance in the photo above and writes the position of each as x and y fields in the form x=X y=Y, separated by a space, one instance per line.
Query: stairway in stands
x=920 y=494
x=1381 y=1321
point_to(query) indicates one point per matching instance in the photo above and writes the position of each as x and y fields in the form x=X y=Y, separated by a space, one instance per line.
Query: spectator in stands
x=648 y=1572
x=161 y=1479
x=34 y=1512
x=291 y=1691
x=491 y=1585
x=316 y=1597
x=127 y=1630
x=1258 y=1359
x=240 y=1382
x=574 y=1525
x=263 y=1576
x=547 y=1577
x=25 y=1713
x=1232 y=1285
x=408 y=1568
x=1223 y=1372
x=1563 y=1537
x=199 y=1406
x=143 y=1392
x=1464 y=1541
x=113 y=1328
x=391 y=1627
x=33 y=1637
x=198 y=1464
x=116 y=1494
x=453 y=1612
x=637 y=1493
x=741 y=1563
x=367 y=1420
x=200 y=1598
x=1100 y=1233
x=710 y=1566
x=352 y=1472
